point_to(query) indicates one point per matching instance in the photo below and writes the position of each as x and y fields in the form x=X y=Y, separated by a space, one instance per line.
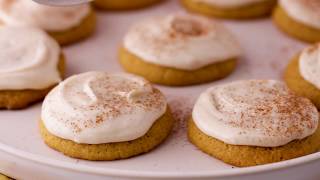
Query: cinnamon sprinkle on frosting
x=124 y=106
x=181 y=41
x=257 y=112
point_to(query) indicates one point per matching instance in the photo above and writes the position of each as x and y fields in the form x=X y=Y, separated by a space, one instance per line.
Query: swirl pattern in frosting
x=97 y=108
x=28 y=12
x=229 y=3
x=29 y=59
x=309 y=65
x=304 y=11
x=261 y=113
x=181 y=41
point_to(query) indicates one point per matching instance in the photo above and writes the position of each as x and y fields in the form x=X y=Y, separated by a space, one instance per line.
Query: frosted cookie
x=123 y=4
x=233 y=9
x=65 y=24
x=299 y=18
x=254 y=122
x=100 y=116
x=303 y=72
x=179 y=50
x=31 y=63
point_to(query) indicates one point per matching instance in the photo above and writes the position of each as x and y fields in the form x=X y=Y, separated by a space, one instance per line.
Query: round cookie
x=244 y=156
x=66 y=24
x=99 y=116
x=179 y=50
x=245 y=11
x=295 y=27
x=172 y=76
x=18 y=99
x=31 y=65
x=3 y=177
x=254 y=122
x=298 y=84
x=112 y=151
x=77 y=33
x=123 y=4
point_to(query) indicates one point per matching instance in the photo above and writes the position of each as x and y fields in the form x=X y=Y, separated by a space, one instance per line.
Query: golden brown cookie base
x=256 y=10
x=243 y=156
x=123 y=4
x=17 y=99
x=295 y=28
x=82 y=31
x=3 y=177
x=296 y=82
x=112 y=151
x=175 y=77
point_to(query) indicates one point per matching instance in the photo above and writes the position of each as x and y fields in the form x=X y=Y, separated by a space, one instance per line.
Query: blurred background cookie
x=302 y=74
x=299 y=18
x=231 y=9
x=123 y=4
x=31 y=64
x=65 y=24
x=179 y=49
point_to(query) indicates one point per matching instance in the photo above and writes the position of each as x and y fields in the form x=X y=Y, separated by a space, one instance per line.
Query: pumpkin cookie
x=254 y=122
x=3 y=177
x=303 y=72
x=99 y=116
x=179 y=50
x=31 y=64
x=241 y=9
x=299 y=18
x=66 y=24
x=123 y=4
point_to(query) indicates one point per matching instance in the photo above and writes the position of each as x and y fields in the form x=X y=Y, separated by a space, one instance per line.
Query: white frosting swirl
x=181 y=41
x=97 y=108
x=255 y=113
x=28 y=12
x=29 y=59
x=309 y=65
x=304 y=11
x=229 y=3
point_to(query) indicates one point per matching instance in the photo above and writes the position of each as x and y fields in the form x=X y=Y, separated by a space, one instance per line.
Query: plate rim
x=148 y=174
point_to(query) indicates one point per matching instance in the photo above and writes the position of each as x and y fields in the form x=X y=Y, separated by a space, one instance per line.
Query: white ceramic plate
x=23 y=154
